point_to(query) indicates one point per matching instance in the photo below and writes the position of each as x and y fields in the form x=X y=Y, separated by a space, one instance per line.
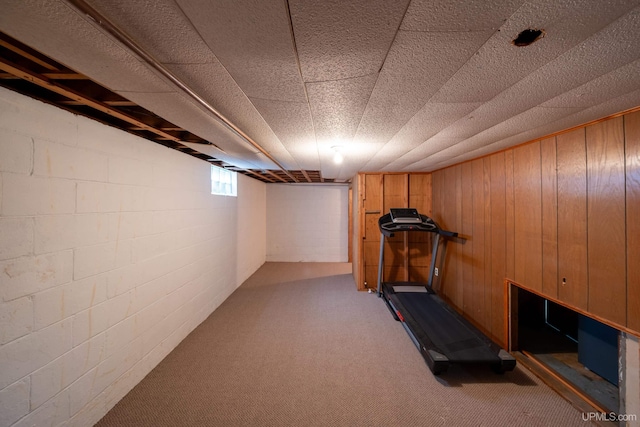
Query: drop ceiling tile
x=426 y=123
x=417 y=66
x=160 y=27
x=570 y=117
x=458 y=15
x=246 y=161
x=253 y=41
x=215 y=85
x=587 y=61
x=528 y=120
x=613 y=84
x=338 y=39
x=291 y=122
x=499 y=64
x=337 y=106
x=415 y=160
x=71 y=39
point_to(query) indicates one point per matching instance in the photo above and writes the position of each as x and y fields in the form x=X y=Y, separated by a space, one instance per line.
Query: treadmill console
x=405 y=220
x=405 y=216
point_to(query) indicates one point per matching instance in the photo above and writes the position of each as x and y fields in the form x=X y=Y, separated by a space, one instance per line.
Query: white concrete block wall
x=112 y=250
x=307 y=222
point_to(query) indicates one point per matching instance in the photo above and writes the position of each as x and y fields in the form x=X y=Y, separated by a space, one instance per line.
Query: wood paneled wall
x=560 y=216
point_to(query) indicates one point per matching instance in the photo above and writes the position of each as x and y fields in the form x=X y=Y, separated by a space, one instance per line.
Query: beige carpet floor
x=297 y=345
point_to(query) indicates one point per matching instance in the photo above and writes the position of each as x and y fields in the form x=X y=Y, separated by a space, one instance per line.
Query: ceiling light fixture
x=337 y=157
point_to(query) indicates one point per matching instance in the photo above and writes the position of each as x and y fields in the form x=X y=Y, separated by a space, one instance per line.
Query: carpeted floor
x=297 y=345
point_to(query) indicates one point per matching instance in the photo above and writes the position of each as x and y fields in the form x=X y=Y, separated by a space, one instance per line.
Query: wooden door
x=371 y=211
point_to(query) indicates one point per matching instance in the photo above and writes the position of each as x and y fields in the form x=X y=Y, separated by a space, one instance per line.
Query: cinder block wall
x=112 y=250
x=307 y=222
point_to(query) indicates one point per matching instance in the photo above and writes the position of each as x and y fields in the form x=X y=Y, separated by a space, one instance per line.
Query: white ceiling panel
x=565 y=73
x=418 y=64
x=337 y=107
x=343 y=39
x=252 y=39
x=160 y=27
x=215 y=85
x=528 y=120
x=611 y=85
x=498 y=64
x=291 y=121
x=247 y=160
x=427 y=122
x=458 y=15
x=581 y=116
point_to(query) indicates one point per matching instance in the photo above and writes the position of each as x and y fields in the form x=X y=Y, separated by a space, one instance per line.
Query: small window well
x=224 y=182
x=527 y=37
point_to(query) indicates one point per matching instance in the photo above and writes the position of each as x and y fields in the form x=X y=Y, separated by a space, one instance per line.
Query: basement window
x=224 y=182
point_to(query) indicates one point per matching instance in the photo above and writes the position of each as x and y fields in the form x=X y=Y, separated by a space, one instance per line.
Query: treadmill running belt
x=445 y=329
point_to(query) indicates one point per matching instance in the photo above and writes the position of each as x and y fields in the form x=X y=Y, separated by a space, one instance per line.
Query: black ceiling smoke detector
x=528 y=36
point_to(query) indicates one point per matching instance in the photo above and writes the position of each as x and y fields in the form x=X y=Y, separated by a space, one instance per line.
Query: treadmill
x=440 y=333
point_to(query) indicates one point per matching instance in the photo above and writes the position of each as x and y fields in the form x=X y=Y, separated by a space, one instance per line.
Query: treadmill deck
x=438 y=327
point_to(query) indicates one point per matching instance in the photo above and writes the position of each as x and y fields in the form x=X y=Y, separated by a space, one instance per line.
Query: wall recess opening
x=527 y=37
x=580 y=350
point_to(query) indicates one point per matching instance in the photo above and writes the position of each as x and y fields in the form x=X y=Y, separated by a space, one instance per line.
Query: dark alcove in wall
x=580 y=350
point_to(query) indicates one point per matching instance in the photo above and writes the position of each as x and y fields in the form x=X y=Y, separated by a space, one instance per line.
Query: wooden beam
x=109 y=103
x=258 y=175
x=65 y=76
x=53 y=86
x=306 y=175
x=275 y=176
x=28 y=56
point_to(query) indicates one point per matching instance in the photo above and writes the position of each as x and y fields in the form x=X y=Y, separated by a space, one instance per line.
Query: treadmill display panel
x=405 y=216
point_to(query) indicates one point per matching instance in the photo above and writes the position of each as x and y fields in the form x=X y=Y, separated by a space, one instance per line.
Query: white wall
x=112 y=250
x=251 y=226
x=307 y=222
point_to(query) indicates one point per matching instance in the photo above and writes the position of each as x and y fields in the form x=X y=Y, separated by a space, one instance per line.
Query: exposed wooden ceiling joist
x=77 y=93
